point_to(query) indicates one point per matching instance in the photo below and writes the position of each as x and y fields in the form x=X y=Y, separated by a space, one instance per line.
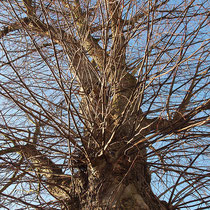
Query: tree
x=104 y=104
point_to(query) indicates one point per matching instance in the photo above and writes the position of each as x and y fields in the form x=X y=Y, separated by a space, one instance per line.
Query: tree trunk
x=119 y=184
x=119 y=176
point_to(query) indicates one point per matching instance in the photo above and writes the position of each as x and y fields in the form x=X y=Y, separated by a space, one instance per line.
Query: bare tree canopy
x=104 y=104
